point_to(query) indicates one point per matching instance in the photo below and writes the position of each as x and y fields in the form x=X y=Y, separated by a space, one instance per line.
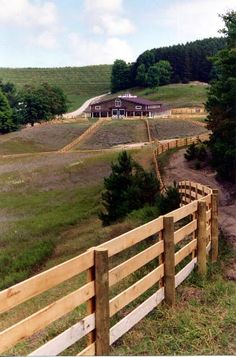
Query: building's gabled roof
x=137 y=100
x=140 y=100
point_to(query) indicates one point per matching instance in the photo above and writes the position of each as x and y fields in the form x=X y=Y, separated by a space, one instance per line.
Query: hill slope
x=79 y=83
x=175 y=95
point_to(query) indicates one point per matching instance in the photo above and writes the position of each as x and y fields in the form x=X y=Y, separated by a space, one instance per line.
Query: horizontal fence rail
x=180 y=241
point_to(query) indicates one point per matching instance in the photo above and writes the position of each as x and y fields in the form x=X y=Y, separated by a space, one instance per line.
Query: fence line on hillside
x=172 y=144
x=185 y=236
x=85 y=135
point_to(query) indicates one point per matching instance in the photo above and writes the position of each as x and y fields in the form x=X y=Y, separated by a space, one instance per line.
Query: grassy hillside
x=175 y=95
x=79 y=83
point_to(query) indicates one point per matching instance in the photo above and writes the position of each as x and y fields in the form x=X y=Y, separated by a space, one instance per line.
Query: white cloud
x=83 y=52
x=108 y=6
x=24 y=13
x=193 y=19
x=45 y=39
x=107 y=17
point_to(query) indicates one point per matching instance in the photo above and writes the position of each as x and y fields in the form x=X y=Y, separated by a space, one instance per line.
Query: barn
x=126 y=106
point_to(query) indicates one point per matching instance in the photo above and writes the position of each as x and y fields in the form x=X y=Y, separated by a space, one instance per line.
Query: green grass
x=41 y=217
x=78 y=83
x=175 y=95
x=52 y=226
x=19 y=146
x=202 y=322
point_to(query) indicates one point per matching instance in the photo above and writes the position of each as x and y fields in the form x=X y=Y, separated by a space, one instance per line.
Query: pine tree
x=129 y=187
x=221 y=104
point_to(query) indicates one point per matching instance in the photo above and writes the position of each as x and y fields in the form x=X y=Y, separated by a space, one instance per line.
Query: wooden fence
x=180 y=241
x=84 y=136
x=172 y=144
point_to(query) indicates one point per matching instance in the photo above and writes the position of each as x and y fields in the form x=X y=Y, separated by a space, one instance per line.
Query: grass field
x=45 y=137
x=174 y=128
x=48 y=214
x=81 y=83
x=40 y=196
x=48 y=207
x=78 y=83
x=116 y=132
x=174 y=95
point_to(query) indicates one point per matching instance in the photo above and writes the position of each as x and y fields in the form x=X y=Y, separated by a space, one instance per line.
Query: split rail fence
x=172 y=144
x=178 y=242
x=91 y=130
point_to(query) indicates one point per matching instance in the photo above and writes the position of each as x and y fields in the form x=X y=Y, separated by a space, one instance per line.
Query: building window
x=117 y=103
x=138 y=107
x=97 y=107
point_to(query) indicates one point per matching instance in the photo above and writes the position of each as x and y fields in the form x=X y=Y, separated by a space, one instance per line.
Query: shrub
x=170 y=200
x=196 y=151
x=190 y=152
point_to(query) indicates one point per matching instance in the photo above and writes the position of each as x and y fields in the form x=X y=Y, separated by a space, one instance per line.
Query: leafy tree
x=221 y=104
x=153 y=76
x=141 y=77
x=10 y=92
x=41 y=103
x=164 y=70
x=6 y=121
x=120 y=76
x=128 y=187
x=147 y=58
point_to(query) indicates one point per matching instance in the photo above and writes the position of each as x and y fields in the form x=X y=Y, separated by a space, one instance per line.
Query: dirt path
x=81 y=109
x=178 y=169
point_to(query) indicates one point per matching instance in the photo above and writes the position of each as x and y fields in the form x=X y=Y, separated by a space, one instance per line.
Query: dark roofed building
x=126 y=106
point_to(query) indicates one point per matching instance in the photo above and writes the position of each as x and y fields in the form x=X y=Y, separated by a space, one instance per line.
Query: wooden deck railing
x=181 y=240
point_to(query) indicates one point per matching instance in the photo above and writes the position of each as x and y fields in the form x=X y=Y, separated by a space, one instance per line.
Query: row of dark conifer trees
x=189 y=62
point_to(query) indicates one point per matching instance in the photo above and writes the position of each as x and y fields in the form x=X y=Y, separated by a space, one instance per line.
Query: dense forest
x=188 y=62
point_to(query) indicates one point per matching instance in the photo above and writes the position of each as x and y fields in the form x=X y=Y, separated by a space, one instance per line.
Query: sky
x=58 y=33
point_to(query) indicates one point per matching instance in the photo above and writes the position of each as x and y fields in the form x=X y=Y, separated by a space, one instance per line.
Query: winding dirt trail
x=179 y=169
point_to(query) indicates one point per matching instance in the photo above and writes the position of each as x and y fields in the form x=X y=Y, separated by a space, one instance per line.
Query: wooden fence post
x=214 y=225
x=102 y=302
x=169 y=260
x=201 y=238
x=91 y=303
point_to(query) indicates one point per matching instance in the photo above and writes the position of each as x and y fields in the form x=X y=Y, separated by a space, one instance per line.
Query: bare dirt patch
x=116 y=133
x=230 y=271
x=174 y=128
x=179 y=169
x=189 y=292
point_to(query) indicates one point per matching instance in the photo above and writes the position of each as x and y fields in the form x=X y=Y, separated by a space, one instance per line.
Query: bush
x=196 y=151
x=190 y=152
x=170 y=200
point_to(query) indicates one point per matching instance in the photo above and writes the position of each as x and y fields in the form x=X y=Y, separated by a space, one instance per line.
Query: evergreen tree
x=129 y=187
x=221 y=104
